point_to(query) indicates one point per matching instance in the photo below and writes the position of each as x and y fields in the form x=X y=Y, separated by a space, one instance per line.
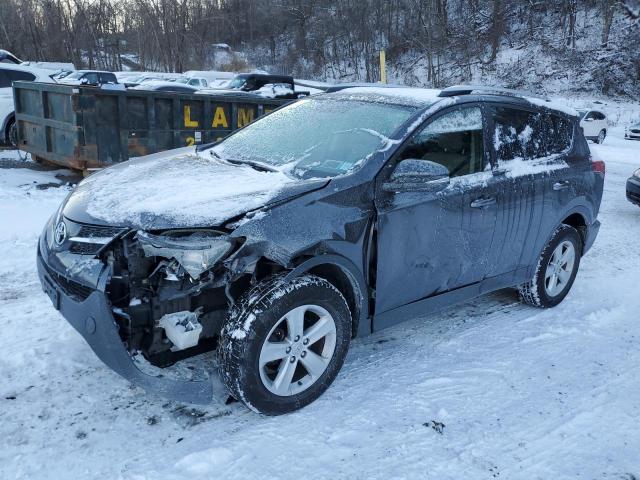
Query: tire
x=540 y=291
x=601 y=136
x=12 y=134
x=260 y=320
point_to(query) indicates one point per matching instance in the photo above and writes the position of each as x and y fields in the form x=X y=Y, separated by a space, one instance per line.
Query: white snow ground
x=487 y=389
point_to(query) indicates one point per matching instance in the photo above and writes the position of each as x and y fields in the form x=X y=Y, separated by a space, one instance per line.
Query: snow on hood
x=174 y=191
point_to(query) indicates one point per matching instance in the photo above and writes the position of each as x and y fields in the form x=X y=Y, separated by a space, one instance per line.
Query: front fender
x=355 y=277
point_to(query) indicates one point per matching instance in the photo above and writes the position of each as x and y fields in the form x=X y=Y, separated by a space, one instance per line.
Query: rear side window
x=454 y=140
x=108 y=78
x=521 y=134
x=557 y=134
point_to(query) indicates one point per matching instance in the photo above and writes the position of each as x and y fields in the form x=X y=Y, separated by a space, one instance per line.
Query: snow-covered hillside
x=487 y=389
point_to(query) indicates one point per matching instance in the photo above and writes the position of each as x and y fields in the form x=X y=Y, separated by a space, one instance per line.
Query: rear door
x=430 y=243
x=523 y=177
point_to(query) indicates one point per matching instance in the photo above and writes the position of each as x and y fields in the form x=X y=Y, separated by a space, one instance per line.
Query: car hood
x=178 y=189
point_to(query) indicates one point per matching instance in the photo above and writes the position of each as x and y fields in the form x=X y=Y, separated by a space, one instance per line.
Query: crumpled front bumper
x=93 y=319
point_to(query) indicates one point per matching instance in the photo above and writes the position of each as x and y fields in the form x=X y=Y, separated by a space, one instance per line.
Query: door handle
x=483 y=202
x=562 y=185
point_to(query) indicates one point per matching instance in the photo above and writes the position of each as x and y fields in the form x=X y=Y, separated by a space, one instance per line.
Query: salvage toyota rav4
x=331 y=218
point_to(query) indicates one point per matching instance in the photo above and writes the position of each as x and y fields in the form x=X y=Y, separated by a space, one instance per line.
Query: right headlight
x=196 y=252
x=637 y=173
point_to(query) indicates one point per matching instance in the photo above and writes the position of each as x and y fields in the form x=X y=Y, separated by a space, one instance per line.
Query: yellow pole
x=383 y=66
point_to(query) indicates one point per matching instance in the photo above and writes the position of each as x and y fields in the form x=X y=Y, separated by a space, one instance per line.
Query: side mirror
x=590 y=119
x=413 y=175
x=84 y=81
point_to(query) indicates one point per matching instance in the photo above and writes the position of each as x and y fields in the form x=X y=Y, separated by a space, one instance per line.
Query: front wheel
x=556 y=269
x=284 y=343
x=601 y=136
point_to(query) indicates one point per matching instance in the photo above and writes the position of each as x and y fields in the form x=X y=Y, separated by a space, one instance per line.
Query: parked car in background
x=165 y=86
x=594 y=124
x=92 y=78
x=332 y=217
x=215 y=79
x=9 y=73
x=197 y=82
x=8 y=57
x=632 y=132
x=249 y=82
x=633 y=188
x=132 y=79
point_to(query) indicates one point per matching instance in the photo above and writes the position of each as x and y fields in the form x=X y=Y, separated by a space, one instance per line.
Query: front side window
x=454 y=140
x=316 y=137
x=91 y=78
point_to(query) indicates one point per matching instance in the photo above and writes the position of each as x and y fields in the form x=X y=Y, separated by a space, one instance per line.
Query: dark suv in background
x=332 y=217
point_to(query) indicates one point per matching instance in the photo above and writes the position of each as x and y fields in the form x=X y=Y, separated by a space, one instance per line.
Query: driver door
x=430 y=243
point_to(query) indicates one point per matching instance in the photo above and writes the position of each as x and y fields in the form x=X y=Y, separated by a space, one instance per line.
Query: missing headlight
x=196 y=251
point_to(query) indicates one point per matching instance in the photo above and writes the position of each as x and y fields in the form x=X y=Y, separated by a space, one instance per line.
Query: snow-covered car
x=10 y=73
x=279 y=244
x=166 y=86
x=632 y=132
x=197 y=82
x=8 y=57
x=633 y=188
x=93 y=78
x=595 y=125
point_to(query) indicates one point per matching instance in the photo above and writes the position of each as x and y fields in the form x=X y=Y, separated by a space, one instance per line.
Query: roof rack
x=486 y=89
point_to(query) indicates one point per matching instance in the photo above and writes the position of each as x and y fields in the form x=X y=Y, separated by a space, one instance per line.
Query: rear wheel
x=284 y=343
x=556 y=270
x=12 y=134
x=601 y=136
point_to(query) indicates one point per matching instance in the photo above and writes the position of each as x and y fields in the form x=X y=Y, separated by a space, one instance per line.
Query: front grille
x=92 y=231
x=70 y=287
x=634 y=130
x=89 y=239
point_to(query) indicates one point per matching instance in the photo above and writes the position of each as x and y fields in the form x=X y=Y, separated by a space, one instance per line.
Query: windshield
x=237 y=82
x=582 y=113
x=75 y=75
x=316 y=137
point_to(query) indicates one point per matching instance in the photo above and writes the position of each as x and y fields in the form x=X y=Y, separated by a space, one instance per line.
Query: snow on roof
x=404 y=94
x=553 y=105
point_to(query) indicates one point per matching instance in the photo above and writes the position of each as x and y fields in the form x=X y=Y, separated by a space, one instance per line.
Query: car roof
x=418 y=97
x=93 y=71
x=162 y=83
x=40 y=72
x=424 y=97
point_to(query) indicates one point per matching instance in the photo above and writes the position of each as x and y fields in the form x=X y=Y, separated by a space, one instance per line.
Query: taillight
x=598 y=166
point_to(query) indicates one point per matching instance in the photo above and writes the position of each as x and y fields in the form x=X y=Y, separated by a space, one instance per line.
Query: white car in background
x=594 y=124
x=197 y=82
x=632 y=132
x=10 y=73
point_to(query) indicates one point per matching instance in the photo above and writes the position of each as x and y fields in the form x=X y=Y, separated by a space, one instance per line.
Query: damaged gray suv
x=331 y=218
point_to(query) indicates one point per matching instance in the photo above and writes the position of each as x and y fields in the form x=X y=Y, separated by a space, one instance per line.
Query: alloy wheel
x=297 y=350
x=560 y=268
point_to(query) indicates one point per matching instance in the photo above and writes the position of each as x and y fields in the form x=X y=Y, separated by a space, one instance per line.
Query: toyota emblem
x=60 y=234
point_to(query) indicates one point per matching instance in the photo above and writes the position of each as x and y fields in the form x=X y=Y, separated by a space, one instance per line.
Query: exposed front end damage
x=167 y=291
x=91 y=292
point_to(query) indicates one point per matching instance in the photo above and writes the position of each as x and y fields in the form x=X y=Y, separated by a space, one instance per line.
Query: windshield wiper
x=261 y=167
